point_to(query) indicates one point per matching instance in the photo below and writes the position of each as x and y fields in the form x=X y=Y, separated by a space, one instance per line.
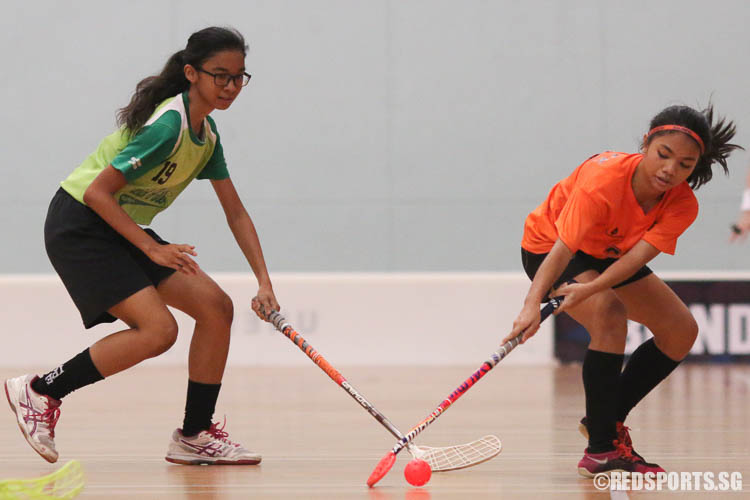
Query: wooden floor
x=317 y=443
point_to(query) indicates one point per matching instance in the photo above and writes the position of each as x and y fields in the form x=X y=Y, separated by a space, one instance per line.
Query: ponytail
x=152 y=90
x=718 y=148
x=714 y=136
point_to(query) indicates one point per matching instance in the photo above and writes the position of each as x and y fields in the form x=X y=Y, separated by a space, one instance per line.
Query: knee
x=676 y=340
x=226 y=308
x=218 y=308
x=691 y=331
x=611 y=318
x=161 y=335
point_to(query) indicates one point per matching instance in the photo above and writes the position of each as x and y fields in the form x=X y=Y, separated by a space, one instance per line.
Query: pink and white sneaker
x=211 y=447
x=36 y=415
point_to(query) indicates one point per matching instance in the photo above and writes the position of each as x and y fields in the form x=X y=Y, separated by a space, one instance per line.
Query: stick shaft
x=488 y=365
x=284 y=327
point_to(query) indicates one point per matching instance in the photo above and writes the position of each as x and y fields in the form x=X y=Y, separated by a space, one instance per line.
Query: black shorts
x=98 y=266
x=579 y=263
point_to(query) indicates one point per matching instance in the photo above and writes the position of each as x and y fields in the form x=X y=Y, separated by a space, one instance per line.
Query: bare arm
x=99 y=196
x=527 y=322
x=627 y=265
x=244 y=232
x=551 y=269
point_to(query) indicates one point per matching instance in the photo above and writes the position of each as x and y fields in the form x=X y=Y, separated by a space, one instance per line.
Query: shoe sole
x=41 y=452
x=583 y=471
x=203 y=461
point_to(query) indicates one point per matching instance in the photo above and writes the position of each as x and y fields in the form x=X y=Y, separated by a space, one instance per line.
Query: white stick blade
x=459 y=456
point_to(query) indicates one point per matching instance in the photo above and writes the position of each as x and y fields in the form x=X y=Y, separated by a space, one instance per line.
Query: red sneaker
x=623 y=436
x=619 y=459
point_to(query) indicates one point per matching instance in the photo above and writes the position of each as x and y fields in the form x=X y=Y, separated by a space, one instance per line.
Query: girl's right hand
x=176 y=256
x=265 y=303
x=527 y=323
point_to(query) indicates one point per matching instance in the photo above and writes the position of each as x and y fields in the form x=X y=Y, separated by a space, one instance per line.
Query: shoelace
x=625 y=450
x=219 y=433
x=623 y=434
x=48 y=416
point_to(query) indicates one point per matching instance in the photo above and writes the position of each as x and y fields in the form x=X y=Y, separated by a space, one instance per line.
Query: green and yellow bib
x=158 y=163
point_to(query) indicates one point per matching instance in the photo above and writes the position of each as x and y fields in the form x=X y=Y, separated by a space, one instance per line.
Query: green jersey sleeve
x=216 y=168
x=150 y=147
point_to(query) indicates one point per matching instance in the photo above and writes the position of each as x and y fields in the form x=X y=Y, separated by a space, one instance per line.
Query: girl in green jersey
x=115 y=269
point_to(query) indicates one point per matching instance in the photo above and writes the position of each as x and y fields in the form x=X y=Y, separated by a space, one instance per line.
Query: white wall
x=351 y=319
x=377 y=135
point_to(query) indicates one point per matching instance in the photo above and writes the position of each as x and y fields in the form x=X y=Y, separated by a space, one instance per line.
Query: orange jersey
x=594 y=210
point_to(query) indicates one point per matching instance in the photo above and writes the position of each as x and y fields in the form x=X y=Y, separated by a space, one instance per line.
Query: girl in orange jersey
x=600 y=227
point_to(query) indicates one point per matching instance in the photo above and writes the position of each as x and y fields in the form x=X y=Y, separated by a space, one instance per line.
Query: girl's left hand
x=574 y=294
x=264 y=303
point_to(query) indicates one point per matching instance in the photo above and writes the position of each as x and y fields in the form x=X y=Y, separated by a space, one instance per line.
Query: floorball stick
x=65 y=483
x=440 y=458
x=388 y=460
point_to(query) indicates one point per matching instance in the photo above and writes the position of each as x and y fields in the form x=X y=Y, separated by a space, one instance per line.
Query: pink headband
x=682 y=129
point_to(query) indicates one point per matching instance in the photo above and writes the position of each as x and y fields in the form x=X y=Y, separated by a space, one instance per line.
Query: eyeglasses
x=223 y=79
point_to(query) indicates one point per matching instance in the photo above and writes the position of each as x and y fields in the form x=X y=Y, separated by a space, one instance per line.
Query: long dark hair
x=715 y=137
x=171 y=81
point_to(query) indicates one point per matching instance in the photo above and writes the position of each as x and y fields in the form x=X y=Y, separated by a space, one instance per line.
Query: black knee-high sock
x=66 y=378
x=645 y=369
x=601 y=376
x=199 y=407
